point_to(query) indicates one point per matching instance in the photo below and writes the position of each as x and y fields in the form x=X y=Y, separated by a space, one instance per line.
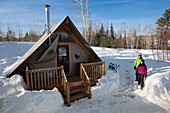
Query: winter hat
x=140 y=54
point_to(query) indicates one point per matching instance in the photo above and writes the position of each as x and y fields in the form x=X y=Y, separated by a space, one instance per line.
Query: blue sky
x=30 y=13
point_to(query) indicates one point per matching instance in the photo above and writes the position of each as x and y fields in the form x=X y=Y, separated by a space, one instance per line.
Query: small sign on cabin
x=50 y=52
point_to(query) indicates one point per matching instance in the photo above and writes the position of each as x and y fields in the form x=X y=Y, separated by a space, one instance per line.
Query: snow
x=113 y=93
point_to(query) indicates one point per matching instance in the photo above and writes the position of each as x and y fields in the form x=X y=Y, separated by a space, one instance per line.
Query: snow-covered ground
x=113 y=94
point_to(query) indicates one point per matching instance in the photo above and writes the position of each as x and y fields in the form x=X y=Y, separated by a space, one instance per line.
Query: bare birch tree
x=149 y=31
x=83 y=6
x=150 y=37
x=123 y=31
x=132 y=37
x=18 y=31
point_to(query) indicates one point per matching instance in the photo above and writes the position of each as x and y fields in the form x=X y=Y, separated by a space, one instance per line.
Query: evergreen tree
x=112 y=36
x=10 y=35
x=124 y=41
x=100 y=36
x=102 y=31
x=163 y=30
x=135 y=41
x=32 y=36
x=26 y=37
x=118 y=41
x=163 y=33
x=103 y=39
x=107 y=36
x=112 y=32
x=164 y=22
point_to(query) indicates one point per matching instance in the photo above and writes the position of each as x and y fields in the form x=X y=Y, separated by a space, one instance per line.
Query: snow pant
x=141 y=80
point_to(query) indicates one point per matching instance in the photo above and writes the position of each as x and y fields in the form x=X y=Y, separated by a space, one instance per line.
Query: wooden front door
x=63 y=57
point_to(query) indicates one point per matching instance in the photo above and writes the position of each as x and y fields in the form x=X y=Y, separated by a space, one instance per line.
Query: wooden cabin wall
x=74 y=63
x=48 y=64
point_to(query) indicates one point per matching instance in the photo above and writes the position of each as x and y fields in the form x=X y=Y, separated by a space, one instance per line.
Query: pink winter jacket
x=141 y=69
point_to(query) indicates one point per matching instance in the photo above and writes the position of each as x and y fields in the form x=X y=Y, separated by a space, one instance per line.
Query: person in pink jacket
x=142 y=73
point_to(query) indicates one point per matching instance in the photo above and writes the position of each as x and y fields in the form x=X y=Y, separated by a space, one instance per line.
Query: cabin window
x=64 y=37
x=62 y=55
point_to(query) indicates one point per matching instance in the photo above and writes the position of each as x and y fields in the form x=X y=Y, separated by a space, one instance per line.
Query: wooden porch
x=71 y=87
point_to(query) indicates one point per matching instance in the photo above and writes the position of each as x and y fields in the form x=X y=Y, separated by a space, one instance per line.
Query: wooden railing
x=49 y=78
x=86 y=80
x=46 y=78
x=94 y=70
x=66 y=87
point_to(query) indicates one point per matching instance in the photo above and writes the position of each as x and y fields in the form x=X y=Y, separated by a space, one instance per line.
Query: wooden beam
x=103 y=68
x=68 y=94
x=42 y=80
x=35 y=80
x=38 y=79
x=45 y=79
x=27 y=78
x=66 y=29
x=31 y=81
x=81 y=71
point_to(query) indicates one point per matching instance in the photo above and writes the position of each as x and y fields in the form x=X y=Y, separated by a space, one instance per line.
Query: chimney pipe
x=47 y=12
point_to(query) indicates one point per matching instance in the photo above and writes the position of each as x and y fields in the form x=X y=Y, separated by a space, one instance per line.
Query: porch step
x=75 y=84
x=76 y=87
x=93 y=82
x=79 y=83
x=76 y=90
x=78 y=96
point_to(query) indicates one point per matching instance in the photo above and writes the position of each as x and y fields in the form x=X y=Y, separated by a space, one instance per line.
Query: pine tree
x=101 y=37
x=163 y=28
x=163 y=31
x=10 y=35
x=112 y=36
x=112 y=32
x=164 y=22
x=102 y=31
x=124 y=41
x=107 y=36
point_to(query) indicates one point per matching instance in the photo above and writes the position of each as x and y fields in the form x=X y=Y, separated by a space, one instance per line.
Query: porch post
x=62 y=69
x=81 y=65
x=103 y=68
x=27 y=78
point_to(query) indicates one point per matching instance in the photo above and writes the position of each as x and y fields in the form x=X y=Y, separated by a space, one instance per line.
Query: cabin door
x=63 y=57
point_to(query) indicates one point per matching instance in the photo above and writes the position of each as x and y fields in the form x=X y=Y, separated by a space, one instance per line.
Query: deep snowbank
x=15 y=99
x=157 y=88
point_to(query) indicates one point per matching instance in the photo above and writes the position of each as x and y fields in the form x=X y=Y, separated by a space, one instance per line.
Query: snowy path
x=113 y=93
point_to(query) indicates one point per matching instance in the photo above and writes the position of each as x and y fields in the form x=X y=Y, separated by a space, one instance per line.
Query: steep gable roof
x=45 y=37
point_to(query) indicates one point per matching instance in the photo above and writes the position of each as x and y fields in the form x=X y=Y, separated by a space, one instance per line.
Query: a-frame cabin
x=66 y=61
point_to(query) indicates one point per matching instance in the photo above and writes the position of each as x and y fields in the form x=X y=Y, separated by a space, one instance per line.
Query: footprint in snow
x=38 y=100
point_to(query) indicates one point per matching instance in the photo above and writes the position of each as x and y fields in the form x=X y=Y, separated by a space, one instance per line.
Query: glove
x=134 y=67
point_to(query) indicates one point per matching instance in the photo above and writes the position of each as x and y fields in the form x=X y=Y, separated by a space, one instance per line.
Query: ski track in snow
x=113 y=93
